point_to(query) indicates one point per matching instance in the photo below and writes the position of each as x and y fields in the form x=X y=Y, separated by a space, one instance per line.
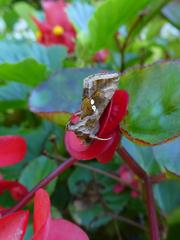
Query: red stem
x=151 y=210
x=60 y=169
x=136 y=168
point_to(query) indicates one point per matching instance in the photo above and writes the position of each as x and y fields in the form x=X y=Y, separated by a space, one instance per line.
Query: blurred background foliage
x=132 y=35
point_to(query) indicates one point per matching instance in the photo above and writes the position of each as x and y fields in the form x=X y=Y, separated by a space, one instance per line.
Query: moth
x=98 y=90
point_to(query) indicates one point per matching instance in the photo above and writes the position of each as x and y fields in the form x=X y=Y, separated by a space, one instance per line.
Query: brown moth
x=98 y=90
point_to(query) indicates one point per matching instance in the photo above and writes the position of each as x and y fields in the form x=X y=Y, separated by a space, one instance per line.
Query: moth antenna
x=98 y=138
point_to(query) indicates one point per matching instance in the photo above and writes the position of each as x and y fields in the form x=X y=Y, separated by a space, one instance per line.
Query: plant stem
x=123 y=47
x=93 y=169
x=135 y=167
x=60 y=169
x=151 y=210
x=139 y=171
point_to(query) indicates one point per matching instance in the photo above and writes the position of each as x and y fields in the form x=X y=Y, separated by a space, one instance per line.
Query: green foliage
x=36 y=171
x=101 y=30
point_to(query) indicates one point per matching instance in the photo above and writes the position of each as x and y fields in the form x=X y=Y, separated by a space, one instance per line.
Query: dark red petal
x=12 y=150
x=80 y=151
x=16 y=189
x=65 y=230
x=107 y=155
x=42 y=213
x=114 y=113
x=14 y=226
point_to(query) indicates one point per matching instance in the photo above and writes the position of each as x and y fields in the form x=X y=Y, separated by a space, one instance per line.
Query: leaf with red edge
x=12 y=150
x=52 y=229
x=60 y=96
x=153 y=110
x=14 y=226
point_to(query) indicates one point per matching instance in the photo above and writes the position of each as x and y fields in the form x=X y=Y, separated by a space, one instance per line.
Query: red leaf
x=13 y=227
x=12 y=150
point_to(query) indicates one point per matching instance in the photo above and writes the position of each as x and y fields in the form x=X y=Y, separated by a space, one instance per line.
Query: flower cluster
x=126 y=175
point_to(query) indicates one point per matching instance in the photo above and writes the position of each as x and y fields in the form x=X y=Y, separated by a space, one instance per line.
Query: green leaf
x=144 y=155
x=25 y=11
x=153 y=110
x=167 y=155
x=28 y=72
x=91 y=217
x=78 y=180
x=174 y=225
x=171 y=13
x=16 y=51
x=152 y=10
x=61 y=95
x=167 y=195
x=36 y=171
x=4 y=3
x=10 y=17
x=13 y=95
x=106 y=20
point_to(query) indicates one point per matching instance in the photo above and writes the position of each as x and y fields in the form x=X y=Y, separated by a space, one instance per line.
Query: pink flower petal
x=65 y=230
x=13 y=227
x=101 y=56
x=52 y=229
x=12 y=150
x=41 y=213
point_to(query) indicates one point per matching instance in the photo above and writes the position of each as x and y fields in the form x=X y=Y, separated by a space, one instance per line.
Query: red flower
x=128 y=176
x=14 y=226
x=12 y=150
x=101 y=56
x=47 y=228
x=16 y=189
x=56 y=28
x=109 y=128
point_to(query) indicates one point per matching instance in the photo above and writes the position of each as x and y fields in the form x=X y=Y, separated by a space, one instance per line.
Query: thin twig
x=60 y=169
x=151 y=210
x=93 y=169
x=122 y=47
x=109 y=212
